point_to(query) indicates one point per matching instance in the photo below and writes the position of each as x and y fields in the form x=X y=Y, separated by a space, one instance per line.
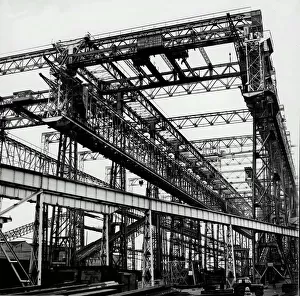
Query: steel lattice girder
x=41 y=100
x=27 y=61
x=10 y=115
x=87 y=44
x=236 y=144
x=187 y=35
x=178 y=37
x=20 y=155
x=156 y=79
x=109 y=113
x=26 y=229
x=167 y=126
x=17 y=183
x=166 y=130
x=211 y=118
x=37 y=104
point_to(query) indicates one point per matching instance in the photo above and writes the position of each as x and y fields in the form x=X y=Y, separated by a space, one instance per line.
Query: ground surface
x=268 y=291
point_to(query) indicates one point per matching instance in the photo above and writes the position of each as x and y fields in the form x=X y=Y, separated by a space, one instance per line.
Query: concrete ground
x=268 y=291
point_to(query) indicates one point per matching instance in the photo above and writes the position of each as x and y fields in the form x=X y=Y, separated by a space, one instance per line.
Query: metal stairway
x=12 y=258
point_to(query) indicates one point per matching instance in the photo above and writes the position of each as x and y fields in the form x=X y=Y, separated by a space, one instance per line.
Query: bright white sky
x=27 y=24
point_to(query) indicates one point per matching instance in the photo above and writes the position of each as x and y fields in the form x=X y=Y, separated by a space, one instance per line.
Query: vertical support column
x=153 y=192
x=45 y=236
x=34 y=249
x=230 y=262
x=214 y=252
x=124 y=240
x=118 y=180
x=40 y=241
x=72 y=227
x=37 y=251
x=33 y=265
x=205 y=244
x=133 y=253
x=2 y=139
x=148 y=264
x=199 y=244
x=224 y=243
x=254 y=191
x=107 y=240
x=104 y=250
x=190 y=244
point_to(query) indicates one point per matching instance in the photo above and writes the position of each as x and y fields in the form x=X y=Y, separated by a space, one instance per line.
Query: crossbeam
x=211 y=118
x=17 y=183
x=201 y=32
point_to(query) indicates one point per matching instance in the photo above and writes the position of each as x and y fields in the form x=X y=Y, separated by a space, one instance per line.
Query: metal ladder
x=12 y=258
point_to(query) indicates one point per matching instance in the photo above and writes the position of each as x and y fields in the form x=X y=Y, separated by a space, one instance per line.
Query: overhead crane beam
x=17 y=183
x=198 y=78
x=175 y=133
x=40 y=107
x=232 y=142
x=211 y=118
x=181 y=139
x=41 y=99
x=205 y=33
x=53 y=134
x=27 y=61
x=167 y=127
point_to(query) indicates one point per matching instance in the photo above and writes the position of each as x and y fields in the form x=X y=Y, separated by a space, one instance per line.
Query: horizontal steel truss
x=18 y=183
x=37 y=105
x=157 y=115
x=211 y=118
x=113 y=48
x=168 y=130
x=155 y=165
x=180 y=139
x=232 y=147
x=40 y=101
x=25 y=229
x=235 y=144
x=187 y=35
x=18 y=154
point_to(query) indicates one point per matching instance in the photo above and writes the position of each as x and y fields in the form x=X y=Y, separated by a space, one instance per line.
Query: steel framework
x=100 y=92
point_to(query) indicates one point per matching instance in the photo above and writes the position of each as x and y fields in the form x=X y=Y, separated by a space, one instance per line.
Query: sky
x=28 y=24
